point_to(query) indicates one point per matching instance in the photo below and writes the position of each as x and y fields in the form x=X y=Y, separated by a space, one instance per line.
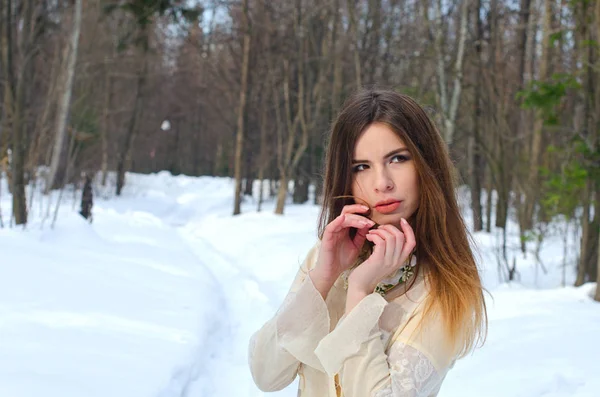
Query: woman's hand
x=392 y=248
x=338 y=251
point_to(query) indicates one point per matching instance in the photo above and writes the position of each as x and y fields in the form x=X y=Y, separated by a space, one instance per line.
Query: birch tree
x=449 y=101
x=66 y=77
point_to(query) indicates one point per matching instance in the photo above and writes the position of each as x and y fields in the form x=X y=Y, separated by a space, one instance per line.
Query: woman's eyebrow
x=393 y=152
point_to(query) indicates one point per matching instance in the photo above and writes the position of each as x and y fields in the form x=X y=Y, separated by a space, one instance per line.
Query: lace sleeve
x=412 y=374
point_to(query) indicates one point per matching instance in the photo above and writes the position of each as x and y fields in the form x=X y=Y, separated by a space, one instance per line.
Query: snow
x=161 y=293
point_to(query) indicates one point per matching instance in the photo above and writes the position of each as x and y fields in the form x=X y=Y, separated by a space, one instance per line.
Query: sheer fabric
x=371 y=351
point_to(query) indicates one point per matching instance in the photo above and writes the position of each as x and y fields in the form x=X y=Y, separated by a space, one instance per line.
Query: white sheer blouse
x=371 y=351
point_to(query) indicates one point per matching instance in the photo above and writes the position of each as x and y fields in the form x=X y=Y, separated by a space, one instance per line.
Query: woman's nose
x=384 y=181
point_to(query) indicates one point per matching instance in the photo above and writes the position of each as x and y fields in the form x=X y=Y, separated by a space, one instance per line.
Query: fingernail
x=364 y=207
x=404 y=221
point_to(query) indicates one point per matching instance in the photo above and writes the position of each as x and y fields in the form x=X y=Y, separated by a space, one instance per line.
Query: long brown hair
x=443 y=243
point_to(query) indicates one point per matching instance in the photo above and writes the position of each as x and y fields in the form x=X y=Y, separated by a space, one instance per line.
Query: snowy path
x=251 y=298
x=121 y=307
x=245 y=293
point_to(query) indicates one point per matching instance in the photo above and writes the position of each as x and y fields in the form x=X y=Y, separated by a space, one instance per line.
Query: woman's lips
x=387 y=208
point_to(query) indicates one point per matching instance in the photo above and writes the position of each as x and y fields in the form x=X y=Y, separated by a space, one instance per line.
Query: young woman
x=390 y=296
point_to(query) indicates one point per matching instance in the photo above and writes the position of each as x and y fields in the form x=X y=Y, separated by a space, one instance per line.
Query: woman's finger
x=410 y=242
x=399 y=239
x=361 y=235
x=345 y=221
x=355 y=208
x=379 y=249
x=357 y=221
x=334 y=226
x=390 y=245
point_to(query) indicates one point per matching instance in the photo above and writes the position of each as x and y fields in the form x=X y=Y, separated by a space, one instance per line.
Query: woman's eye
x=400 y=158
x=359 y=167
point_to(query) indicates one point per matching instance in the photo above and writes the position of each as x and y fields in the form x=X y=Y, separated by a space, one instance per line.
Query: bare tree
x=537 y=140
x=18 y=51
x=449 y=104
x=242 y=111
x=66 y=86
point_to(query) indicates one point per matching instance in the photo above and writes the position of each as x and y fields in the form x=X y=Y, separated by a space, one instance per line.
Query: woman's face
x=384 y=175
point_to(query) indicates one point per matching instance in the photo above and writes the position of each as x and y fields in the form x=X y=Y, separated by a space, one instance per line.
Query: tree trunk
x=586 y=225
x=219 y=160
x=500 y=168
x=488 y=201
x=262 y=157
x=124 y=156
x=476 y=168
x=281 y=194
x=458 y=74
x=248 y=186
x=105 y=127
x=301 y=184
x=501 y=208
x=522 y=30
x=440 y=59
x=87 y=199
x=66 y=85
x=336 y=86
x=288 y=160
x=450 y=105
x=72 y=152
x=1 y=177
x=517 y=119
x=241 y=113
x=587 y=266
x=261 y=186
x=597 y=295
x=318 y=199
x=475 y=173
x=595 y=253
x=15 y=100
x=536 y=144
x=248 y=179
x=353 y=32
x=374 y=58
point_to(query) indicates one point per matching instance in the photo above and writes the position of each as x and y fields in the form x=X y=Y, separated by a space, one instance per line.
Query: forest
x=248 y=89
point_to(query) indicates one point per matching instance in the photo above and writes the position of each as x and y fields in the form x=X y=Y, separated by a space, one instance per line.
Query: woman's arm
x=356 y=353
x=291 y=336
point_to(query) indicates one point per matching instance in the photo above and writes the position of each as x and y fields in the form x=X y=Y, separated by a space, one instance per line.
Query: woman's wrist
x=355 y=294
x=360 y=286
x=323 y=281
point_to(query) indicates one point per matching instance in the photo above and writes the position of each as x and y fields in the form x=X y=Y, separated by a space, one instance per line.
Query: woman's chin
x=388 y=219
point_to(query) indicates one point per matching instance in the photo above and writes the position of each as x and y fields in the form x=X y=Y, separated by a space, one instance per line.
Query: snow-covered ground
x=161 y=293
